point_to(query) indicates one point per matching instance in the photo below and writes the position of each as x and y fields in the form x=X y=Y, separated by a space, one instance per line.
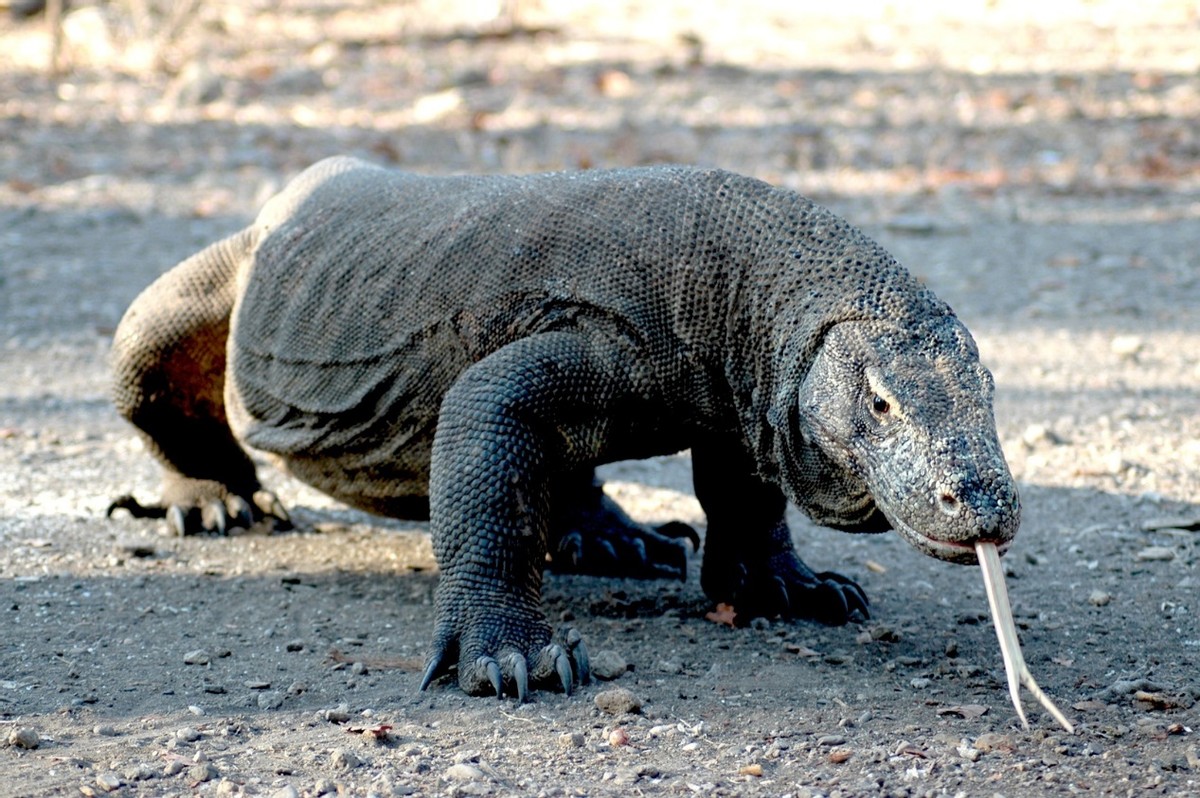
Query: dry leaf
x=380 y=732
x=724 y=614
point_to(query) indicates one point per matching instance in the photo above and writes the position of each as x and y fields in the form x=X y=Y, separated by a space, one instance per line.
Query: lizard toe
x=214 y=518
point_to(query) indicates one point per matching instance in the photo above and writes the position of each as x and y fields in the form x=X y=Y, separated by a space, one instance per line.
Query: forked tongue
x=1010 y=647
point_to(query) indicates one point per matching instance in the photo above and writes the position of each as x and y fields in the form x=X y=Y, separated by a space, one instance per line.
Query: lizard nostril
x=948 y=502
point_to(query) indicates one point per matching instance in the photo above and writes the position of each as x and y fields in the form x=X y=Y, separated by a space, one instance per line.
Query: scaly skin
x=471 y=348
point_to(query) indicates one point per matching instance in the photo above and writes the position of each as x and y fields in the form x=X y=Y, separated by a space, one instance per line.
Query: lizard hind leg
x=168 y=362
x=591 y=534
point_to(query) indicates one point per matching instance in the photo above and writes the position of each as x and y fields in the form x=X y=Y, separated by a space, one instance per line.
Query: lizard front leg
x=750 y=561
x=535 y=409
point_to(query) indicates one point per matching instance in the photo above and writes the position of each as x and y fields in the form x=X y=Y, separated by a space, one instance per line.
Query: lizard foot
x=636 y=552
x=783 y=585
x=211 y=515
x=506 y=654
x=594 y=536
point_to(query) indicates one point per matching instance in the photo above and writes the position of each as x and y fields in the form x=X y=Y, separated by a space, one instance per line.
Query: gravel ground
x=1044 y=178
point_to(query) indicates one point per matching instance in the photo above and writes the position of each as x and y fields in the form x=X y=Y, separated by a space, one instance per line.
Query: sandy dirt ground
x=1038 y=164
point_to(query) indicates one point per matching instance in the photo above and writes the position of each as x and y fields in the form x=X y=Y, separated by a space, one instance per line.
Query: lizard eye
x=880 y=405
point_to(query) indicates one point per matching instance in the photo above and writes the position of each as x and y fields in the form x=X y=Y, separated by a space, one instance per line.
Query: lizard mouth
x=957 y=551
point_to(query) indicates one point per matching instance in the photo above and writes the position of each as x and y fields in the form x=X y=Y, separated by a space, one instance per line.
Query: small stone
x=968 y=752
x=608 y=665
x=1099 y=598
x=920 y=683
x=286 y=792
x=1039 y=435
x=670 y=666
x=839 y=755
x=344 y=760
x=187 y=735
x=140 y=772
x=339 y=714
x=270 y=700
x=325 y=787
x=831 y=739
x=1156 y=554
x=196 y=710
x=463 y=772
x=1126 y=346
x=753 y=769
x=295 y=645
x=197 y=657
x=618 y=737
x=617 y=700
x=24 y=737
x=571 y=740
x=104 y=730
x=174 y=767
x=226 y=787
x=202 y=771
x=109 y=782
x=991 y=741
x=1189 y=523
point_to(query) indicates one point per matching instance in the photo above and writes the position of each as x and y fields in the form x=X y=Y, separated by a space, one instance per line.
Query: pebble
x=618 y=737
x=109 y=782
x=197 y=657
x=286 y=792
x=344 y=760
x=1156 y=554
x=607 y=665
x=920 y=683
x=463 y=772
x=1190 y=523
x=203 y=771
x=174 y=767
x=991 y=741
x=104 y=730
x=571 y=740
x=831 y=739
x=1099 y=598
x=187 y=734
x=339 y=714
x=270 y=700
x=617 y=700
x=1126 y=346
x=24 y=737
x=968 y=752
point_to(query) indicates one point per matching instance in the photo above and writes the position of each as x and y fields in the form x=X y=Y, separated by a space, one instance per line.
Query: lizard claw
x=493 y=674
x=215 y=518
x=578 y=652
x=240 y=512
x=518 y=671
x=176 y=521
x=434 y=665
x=562 y=664
x=270 y=506
x=679 y=530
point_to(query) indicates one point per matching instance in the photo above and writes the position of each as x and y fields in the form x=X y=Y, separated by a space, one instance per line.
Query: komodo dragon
x=470 y=348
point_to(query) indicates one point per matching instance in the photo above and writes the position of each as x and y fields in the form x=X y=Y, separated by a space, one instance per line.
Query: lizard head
x=898 y=425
